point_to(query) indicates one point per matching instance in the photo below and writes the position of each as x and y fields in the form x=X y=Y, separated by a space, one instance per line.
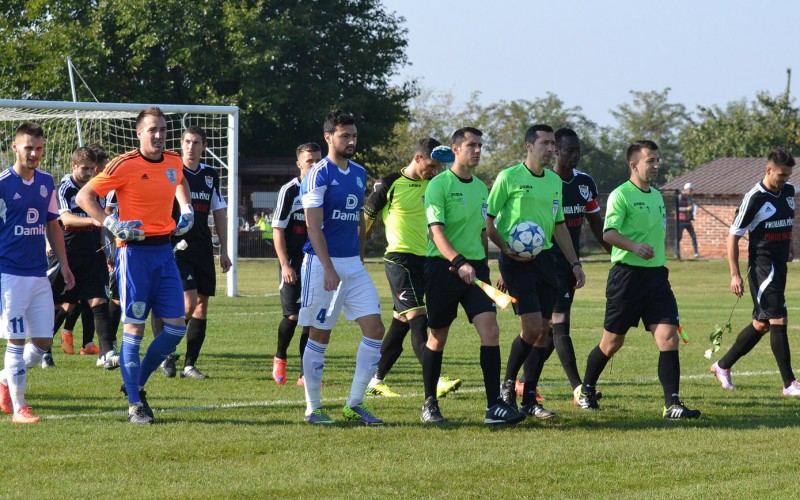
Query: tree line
x=286 y=63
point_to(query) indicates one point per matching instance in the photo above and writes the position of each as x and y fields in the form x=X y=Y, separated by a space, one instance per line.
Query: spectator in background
x=686 y=209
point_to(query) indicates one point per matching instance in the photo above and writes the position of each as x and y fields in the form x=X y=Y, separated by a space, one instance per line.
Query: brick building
x=718 y=190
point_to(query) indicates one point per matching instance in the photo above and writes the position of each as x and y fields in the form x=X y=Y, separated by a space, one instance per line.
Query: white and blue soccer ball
x=526 y=239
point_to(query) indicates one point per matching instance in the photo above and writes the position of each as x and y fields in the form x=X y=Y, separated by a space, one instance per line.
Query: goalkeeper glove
x=186 y=220
x=125 y=230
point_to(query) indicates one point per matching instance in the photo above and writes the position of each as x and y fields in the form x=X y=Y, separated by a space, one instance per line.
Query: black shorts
x=565 y=278
x=91 y=276
x=290 y=294
x=533 y=283
x=406 y=275
x=113 y=287
x=634 y=293
x=196 y=265
x=767 y=285
x=444 y=291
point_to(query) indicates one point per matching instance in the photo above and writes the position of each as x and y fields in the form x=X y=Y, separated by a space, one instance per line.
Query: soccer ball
x=526 y=239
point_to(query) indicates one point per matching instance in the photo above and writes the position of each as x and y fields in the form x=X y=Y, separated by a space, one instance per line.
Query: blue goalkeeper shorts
x=149 y=279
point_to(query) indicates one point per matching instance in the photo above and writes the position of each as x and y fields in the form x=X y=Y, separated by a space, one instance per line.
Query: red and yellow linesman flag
x=501 y=299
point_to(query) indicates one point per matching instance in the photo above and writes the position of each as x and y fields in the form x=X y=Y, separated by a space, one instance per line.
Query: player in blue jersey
x=333 y=275
x=28 y=213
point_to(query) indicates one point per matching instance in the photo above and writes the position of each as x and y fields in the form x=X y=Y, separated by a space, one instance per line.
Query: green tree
x=284 y=63
x=651 y=116
x=742 y=130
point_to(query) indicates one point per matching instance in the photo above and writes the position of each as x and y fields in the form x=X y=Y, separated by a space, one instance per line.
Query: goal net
x=69 y=125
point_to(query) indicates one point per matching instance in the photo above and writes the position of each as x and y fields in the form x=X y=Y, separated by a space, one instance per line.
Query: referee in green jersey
x=530 y=192
x=638 y=283
x=455 y=206
x=399 y=199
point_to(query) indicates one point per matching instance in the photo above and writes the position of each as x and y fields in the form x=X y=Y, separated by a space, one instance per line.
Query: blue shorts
x=149 y=279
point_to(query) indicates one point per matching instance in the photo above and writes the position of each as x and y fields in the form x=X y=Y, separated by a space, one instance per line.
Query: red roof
x=726 y=176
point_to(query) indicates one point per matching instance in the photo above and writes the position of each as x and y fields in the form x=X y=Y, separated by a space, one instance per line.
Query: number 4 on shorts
x=322 y=315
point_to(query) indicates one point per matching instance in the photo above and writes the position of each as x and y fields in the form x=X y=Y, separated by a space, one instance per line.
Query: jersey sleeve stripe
x=736 y=226
x=116 y=162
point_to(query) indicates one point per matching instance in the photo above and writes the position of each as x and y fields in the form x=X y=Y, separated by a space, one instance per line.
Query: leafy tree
x=652 y=116
x=285 y=63
x=742 y=130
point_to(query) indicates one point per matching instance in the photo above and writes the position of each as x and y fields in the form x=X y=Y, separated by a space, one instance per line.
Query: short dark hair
x=196 y=130
x=532 y=133
x=99 y=152
x=307 y=147
x=564 y=132
x=637 y=147
x=84 y=155
x=30 y=128
x=151 y=111
x=335 y=118
x=461 y=134
x=781 y=158
x=426 y=146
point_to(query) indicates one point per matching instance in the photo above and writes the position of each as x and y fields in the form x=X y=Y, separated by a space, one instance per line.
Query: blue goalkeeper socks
x=161 y=347
x=129 y=364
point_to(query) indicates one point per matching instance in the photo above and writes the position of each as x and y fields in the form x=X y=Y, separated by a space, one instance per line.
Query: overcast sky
x=592 y=53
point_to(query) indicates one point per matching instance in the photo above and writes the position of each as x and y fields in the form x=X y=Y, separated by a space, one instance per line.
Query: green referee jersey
x=400 y=201
x=459 y=205
x=641 y=217
x=518 y=195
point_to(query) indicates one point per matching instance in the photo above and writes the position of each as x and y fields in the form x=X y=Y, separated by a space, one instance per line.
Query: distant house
x=718 y=190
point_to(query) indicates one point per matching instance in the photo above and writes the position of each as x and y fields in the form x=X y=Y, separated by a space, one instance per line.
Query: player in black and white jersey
x=196 y=261
x=82 y=239
x=579 y=199
x=767 y=213
x=290 y=234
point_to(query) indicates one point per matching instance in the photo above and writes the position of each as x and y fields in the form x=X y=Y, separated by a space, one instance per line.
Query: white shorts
x=357 y=296
x=26 y=307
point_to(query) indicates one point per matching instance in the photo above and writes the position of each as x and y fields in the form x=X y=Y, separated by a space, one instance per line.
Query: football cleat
x=445 y=386
x=431 y=413
x=677 y=411
x=47 y=361
x=576 y=394
x=145 y=405
x=793 y=389
x=138 y=415
x=67 y=342
x=519 y=385
x=168 y=366
x=509 y=394
x=536 y=410
x=587 y=400
x=192 y=372
x=501 y=413
x=319 y=417
x=362 y=413
x=279 y=370
x=24 y=416
x=5 y=399
x=90 y=348
x=110 y=360
x=382 y=389
x=723 y=376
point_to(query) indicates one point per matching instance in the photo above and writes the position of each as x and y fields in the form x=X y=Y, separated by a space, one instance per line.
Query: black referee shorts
x=533 y=283
x=767 y=280
x=444 y=290
x=634 y=293
x=406 y=275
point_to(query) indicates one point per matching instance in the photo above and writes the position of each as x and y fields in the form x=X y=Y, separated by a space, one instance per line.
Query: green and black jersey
x=401 y=202
x=518 y=195
x=640 y=216
x=460 y=206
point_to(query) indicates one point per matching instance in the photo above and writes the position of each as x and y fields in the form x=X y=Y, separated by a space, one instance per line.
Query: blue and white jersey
x=25 y=209
x=340 y=193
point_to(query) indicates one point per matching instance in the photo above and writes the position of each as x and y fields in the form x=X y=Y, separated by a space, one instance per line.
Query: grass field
x=241 y=435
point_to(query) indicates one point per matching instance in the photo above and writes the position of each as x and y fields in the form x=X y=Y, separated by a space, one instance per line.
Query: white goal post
x=69 y=125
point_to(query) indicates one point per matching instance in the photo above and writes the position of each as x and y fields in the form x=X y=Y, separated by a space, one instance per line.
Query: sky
x=593 y=53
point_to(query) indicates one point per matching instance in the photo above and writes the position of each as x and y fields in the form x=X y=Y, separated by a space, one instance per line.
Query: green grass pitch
x=241 y=435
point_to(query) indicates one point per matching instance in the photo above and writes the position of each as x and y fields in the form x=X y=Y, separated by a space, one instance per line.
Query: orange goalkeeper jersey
x=145 y=189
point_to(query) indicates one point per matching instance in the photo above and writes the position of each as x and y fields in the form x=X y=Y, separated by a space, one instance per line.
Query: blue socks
x=129 y=364
x=162 y=346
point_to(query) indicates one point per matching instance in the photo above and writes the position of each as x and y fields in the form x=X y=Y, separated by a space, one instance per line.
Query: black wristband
x=458 y=261
x=577 y=263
